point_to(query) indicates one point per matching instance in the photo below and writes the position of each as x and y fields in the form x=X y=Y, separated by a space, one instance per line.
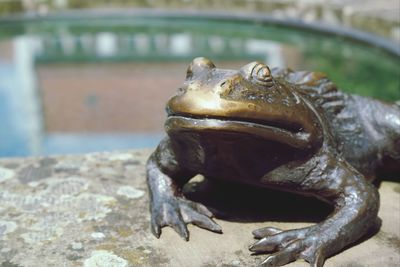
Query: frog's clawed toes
x=200 y=216
x=177 y=212
x=168 y=214
x=287 y=246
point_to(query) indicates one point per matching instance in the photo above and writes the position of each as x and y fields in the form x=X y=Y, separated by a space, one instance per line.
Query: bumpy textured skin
x=279 y=129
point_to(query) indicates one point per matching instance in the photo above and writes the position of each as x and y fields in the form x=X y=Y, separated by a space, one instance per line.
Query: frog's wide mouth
x=291 y=135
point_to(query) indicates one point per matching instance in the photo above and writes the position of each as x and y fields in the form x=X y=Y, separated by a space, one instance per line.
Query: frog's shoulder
x=315 y=86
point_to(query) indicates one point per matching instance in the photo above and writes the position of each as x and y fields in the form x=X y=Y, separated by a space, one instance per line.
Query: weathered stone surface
x=92 y=210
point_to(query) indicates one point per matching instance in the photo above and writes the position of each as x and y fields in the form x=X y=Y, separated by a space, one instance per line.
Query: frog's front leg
x=356 y=203
x=168 y=206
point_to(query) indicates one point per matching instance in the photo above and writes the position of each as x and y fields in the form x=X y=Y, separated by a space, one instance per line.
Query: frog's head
x=248 y=101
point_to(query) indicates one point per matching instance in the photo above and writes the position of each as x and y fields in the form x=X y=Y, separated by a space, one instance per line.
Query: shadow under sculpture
x=281 y=130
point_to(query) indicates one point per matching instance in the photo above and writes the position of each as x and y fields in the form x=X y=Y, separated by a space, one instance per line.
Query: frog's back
x=365 y=131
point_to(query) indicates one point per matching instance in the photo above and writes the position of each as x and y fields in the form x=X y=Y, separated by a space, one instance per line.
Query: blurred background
x=81 y=76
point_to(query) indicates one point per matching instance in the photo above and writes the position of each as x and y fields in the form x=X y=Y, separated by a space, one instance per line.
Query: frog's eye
x=199 y=65
x=258 y=73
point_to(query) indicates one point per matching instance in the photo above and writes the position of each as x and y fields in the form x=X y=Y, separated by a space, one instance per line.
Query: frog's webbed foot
x=177 y=212
x=287 y=246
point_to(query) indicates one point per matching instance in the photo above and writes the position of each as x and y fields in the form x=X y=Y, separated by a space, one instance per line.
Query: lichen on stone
x=6 y=174
x=103 y=258
x=129 y=192
x=6 y=227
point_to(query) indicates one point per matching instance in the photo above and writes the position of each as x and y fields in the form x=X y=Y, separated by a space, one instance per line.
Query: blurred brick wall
x=112 y=97
x=98 y=98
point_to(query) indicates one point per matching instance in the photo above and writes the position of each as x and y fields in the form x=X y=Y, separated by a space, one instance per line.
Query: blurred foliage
x=10 y=6
x=96 y=3
x=357 y=69
x=353 y=66
x=327 y=11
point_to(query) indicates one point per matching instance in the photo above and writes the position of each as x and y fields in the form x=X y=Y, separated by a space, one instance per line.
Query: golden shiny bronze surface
x=281 y=130
x=219 y=94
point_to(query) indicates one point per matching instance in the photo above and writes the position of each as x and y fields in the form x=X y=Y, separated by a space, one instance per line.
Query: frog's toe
x=272 y=242
x=284 y=256
x=266 y=231
x=180 y=227
x=199 y=215
x=155 y=227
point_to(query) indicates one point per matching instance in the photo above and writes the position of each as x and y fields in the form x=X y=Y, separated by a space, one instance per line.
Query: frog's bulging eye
x=199 y=65
x=258 y=73
x=262 y=75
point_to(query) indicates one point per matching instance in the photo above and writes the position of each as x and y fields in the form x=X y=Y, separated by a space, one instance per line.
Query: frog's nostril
x=181 y=91
x=224 y=90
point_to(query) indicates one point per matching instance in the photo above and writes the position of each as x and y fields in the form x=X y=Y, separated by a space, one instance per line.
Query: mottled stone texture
x=92 y=210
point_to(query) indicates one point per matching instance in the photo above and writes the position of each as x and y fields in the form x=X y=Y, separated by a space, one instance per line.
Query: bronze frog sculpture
x=279 y=129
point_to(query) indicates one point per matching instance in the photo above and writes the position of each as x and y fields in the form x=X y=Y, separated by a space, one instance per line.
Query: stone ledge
x=92 y=210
